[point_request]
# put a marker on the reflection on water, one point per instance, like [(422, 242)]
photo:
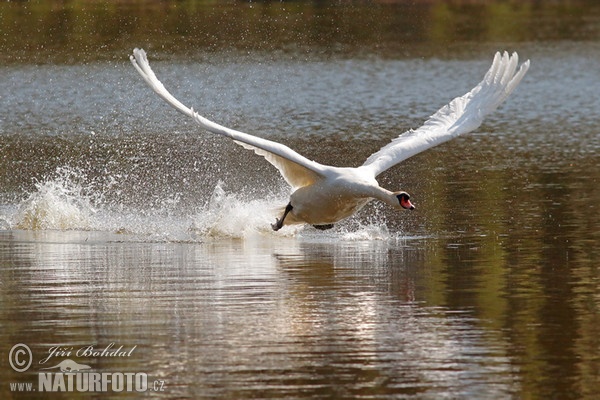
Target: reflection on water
[(76, 31), (273, 318), (423, 317), (121, 223)]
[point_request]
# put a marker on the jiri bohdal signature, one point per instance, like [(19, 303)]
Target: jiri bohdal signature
[(111, 350)]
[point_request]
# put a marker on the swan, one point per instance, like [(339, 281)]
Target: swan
[(323, 195)]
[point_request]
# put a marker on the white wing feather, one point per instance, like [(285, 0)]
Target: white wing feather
[(297, 170), (461, 115)]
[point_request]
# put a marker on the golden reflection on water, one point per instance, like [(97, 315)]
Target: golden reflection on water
[(278, 317), (79, 31), (489, 290)]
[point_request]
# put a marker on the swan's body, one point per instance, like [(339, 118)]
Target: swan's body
[(341, 193), (322, 194)]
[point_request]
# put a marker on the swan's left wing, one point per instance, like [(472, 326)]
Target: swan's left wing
[(461, 115), (296, 169)]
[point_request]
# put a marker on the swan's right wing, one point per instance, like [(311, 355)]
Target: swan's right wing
[(296, 169), (461, 115)]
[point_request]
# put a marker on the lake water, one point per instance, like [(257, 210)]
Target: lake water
[(126, 228)]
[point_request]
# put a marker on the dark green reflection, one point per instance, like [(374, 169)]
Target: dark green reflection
[(79, 31)]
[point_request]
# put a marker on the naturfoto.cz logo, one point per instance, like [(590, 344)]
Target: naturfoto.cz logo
[(71, 376)]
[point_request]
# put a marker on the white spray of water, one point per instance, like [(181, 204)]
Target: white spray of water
[(226, 215), (69, 201), (60, 203)]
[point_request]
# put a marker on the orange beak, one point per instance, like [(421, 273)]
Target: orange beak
[(405, 203)]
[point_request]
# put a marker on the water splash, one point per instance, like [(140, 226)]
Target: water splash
[(70, 200), (61, 202), (227, 215)]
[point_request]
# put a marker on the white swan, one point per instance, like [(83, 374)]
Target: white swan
[(322, 194)]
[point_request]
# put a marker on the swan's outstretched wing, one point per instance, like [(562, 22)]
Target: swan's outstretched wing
[(297, 170), (461, 115)]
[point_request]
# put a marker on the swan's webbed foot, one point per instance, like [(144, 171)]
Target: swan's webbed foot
[(279, 222), (277, 225), (323, 227)]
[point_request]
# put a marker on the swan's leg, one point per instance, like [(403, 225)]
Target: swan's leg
[(279, 222), (323, 227)]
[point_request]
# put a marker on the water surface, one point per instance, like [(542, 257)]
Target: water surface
[(123, 223)]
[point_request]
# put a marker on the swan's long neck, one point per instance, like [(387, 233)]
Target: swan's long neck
[(384, 195)]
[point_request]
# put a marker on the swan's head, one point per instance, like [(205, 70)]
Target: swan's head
[(404, 200)]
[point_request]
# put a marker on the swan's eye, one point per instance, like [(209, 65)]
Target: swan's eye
[(404, 200)]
